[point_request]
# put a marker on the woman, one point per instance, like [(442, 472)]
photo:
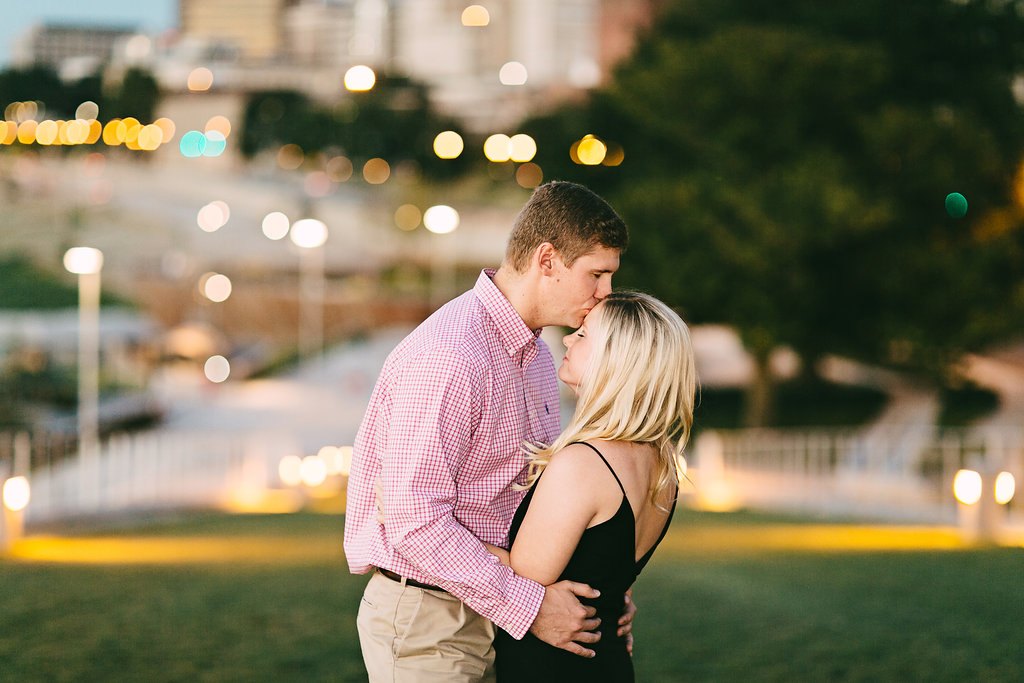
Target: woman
[(603, 494)]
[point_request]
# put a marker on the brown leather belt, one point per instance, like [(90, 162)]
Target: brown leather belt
[(408, 582)]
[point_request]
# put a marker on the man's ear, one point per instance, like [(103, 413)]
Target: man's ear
[(544, 257)]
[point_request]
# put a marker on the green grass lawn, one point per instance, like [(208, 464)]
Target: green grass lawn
[(267, 598)]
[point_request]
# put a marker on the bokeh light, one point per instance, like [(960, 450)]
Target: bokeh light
[(87, 110), (360, 78), (290, 157), (591, 151), (216, 143), (46, 132), (313, 471), (289, 470), (215, 286), (475, 15), (83, 260), (1005, 488), (339, 169), (17, 493), (308, 233), (219, 123), (192, 145), (150, 137), (217, 369), (498, 147), (529, 175), (167, 127), (512, 73), (448, 144), (317, 184), (275, 225), (967, 487), (522, 147), (213, 216), (200, 79), (27, 132), (376, 171), (441, 219), (615, 155), (408, 217)]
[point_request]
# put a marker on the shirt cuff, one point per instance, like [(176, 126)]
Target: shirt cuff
[(525, 597)]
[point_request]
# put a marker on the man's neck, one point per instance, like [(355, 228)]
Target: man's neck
[(518, 290)]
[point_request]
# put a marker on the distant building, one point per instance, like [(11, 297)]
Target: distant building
[(62, 46), (254, 27)]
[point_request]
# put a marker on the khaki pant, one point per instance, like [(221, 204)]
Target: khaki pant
[(410, 634)]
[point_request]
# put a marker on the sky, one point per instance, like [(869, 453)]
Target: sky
[(144, 15)]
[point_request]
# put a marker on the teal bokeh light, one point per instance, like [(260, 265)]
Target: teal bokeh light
[(193, 144)]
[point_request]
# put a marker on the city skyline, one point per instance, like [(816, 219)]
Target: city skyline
[(152, 16)]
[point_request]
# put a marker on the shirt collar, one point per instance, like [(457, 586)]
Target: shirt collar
[(515, 335)]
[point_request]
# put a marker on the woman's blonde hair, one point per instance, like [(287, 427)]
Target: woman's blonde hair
[(638, 385)]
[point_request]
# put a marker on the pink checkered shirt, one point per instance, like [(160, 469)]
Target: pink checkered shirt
[(444, 432)]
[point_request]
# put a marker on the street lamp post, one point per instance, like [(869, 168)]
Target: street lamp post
[(87, 262), (442, 220), (310, 235)]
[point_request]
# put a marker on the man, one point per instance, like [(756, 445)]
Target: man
[(443, 437)]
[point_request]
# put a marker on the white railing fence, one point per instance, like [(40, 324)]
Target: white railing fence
[(151, 470), (897, 474)]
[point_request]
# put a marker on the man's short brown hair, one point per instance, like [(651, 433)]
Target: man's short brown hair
[(569, 216)]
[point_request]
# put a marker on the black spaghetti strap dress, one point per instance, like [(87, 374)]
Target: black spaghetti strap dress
[(603, 559)]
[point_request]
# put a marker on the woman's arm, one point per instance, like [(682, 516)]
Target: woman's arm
[(573, 490), (500, 553)]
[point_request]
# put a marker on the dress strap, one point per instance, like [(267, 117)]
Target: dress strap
[(621, 487)]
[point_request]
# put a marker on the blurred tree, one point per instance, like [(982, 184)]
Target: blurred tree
[(786, 169), (394, 121), (42, 84), (137, 95)]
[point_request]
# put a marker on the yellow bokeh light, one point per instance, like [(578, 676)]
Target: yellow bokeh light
[(498, 147), (1005, 488), (591, 151), (967, 487), (376, 171), (476, 15), (95, 132), (78, 131), (615, 156), (3, 133), (46, 132), (290, 157), (150, 137), (339, 169), (167, 127), (448, 144), (408, 217), (220, 124), (360, 78), (62, 133), (529, 175), (110, 136), (27, 132), (522, 148), (10, 132), (200, 79)]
